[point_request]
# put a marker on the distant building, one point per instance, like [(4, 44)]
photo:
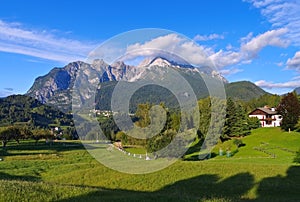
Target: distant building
[(118, 144), (267, 116)]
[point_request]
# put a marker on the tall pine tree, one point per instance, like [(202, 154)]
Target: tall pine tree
[(236, 120)]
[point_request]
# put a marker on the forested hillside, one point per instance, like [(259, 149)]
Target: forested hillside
[(21, 109)]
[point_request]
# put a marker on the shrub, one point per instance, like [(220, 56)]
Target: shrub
[(297, 157), (238, 142)]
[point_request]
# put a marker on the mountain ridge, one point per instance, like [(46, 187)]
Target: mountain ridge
[(237, 90), (55, 88)]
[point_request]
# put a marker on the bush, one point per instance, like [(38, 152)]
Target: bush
[(253, 122), (297, 157), (229, 146), (238, 142)]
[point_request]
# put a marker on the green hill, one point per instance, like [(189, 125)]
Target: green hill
[(21, 109), (243, 90), (266, 143)]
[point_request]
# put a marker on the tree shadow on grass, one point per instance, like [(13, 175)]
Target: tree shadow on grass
[(195, 148), (198, 157), (5, 176), (43, 148), (281, 188), (203, 187)]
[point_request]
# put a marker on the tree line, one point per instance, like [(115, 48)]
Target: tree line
[(17, 133), (237, 122)]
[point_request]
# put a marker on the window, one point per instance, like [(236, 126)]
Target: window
[(268, 119)]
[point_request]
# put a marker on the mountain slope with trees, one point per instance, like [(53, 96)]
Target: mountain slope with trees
[(244, 90), (21, 109)]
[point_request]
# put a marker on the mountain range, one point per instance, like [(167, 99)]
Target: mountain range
[(55, 88)]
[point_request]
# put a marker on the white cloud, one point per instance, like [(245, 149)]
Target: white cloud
[(283, 54), (208, 37), (249, 48), (279, 64), (6, 92), (282, 14), (229, 47), (231, 71), (200, 55), (41, 44), (247, 38), (270, 85), (269, 38), (294, 63), (171, 43), (296, 78), (223, 59)]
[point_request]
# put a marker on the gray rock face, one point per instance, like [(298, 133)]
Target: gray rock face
[(55, 88)]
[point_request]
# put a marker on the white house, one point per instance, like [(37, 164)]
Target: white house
[(268, 117)]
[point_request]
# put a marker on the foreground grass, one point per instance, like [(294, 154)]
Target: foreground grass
[(67, 172)]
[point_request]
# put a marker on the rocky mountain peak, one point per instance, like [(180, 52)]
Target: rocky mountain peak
[(161, 62), (118, 65), (98, 63), (55, 88)]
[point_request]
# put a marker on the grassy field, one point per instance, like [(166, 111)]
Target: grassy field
[(261, 170)]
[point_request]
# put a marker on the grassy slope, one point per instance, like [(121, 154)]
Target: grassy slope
[(58, 173), (282, 144)]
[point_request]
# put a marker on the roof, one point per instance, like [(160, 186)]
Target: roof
[(266, 110)]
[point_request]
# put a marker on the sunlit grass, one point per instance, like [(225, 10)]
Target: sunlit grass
[(65, 171)]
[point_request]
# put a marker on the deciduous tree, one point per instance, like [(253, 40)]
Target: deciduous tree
[(289, 108), (8, 133)]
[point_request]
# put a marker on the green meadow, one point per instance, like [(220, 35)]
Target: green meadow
[(261, 169)]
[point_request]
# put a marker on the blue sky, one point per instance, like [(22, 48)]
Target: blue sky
[(255, 40)]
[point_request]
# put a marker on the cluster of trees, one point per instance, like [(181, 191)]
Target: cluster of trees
[(142, 120), (20, 133), (17, 133), (264, 100), (237, 123)]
